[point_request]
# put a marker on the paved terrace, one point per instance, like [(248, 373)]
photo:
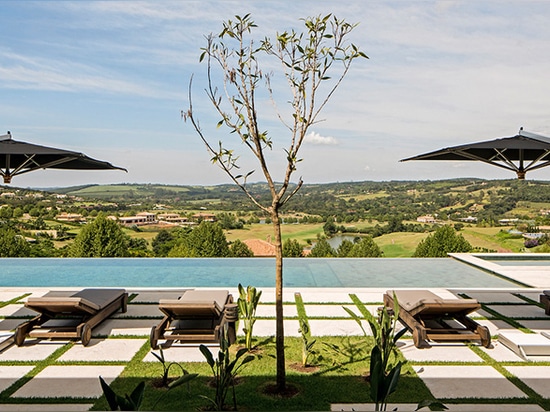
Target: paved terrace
[(478, 372)]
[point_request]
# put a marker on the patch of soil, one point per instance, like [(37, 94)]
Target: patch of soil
[(271, 389), (157, 383), (236, 381), (256, 350), (305, 369)]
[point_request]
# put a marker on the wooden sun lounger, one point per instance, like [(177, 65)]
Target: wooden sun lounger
[(429, 317), (545, 300), (197, 316), (69, 316)]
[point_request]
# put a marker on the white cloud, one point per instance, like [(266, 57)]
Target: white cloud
[(104, 75), (316, 138)]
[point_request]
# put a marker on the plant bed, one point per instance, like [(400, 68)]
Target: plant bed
[(339, 379)]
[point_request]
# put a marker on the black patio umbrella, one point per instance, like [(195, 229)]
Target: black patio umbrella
[(20, 157), (520, 153)]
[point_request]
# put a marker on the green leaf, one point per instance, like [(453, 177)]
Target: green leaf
[(136, 397), (208, 355), (110, 395), (182, 379)]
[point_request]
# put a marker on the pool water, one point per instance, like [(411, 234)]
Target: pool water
[(260, 272)]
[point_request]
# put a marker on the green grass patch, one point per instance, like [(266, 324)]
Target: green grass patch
[(317, 389)]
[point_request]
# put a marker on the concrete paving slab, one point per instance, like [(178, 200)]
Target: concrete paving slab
[(45, 407), (451, 407), (536, 377), (119, 327), (319, 296), (268, 295), (501, 353), (11, 374), (8, 295), (494, 325), (518, 311), (440, 352), (370, 297), (139, 311), (333, 311), (371, 407), (537, 325), (533, 295), (17, 310), (467, 382), (336, 327), (265, 327), (268, 311), (495, 407), (80, 381), (32, 350), (10, 324), (182, 353), (491, 297), (104, 350)]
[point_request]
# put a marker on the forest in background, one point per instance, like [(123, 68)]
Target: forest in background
[(387, 211)]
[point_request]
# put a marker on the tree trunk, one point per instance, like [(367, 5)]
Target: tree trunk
[(280, 334)]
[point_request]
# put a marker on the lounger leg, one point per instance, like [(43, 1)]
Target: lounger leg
[(545, 300), (23, 330), (485, 335), (420, 337), (231, 316), (153, 338), (157, 332)]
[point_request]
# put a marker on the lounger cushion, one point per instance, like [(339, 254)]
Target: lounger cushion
[(195, 302), (92, 299), (424, 300)]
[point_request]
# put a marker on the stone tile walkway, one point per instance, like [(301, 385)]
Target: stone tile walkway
[(450, 371)]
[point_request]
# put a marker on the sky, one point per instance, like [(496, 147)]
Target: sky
[(110, 79)]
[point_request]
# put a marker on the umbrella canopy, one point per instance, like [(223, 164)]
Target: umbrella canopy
[(520, 153), (20, 157)]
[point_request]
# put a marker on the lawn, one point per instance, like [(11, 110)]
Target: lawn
[(339, 377)]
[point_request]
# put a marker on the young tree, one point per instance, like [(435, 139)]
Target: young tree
[(344, 248), (366, 247), (307, 60), (240, 249), (443, 241), (12, 244), (162, 243), (101, 238), (205, 240), (292, 248), (322, 249)]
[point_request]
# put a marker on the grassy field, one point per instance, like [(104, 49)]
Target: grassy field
[(486, 237), (399, 244)]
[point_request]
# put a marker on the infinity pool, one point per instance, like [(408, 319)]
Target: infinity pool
[(260, 272)]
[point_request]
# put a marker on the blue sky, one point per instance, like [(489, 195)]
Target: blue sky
[(110, 78)]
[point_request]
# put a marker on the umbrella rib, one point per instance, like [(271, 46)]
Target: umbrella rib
[(533, 166), (481, 159), (30, 159), (503, 158), (539, 166)]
